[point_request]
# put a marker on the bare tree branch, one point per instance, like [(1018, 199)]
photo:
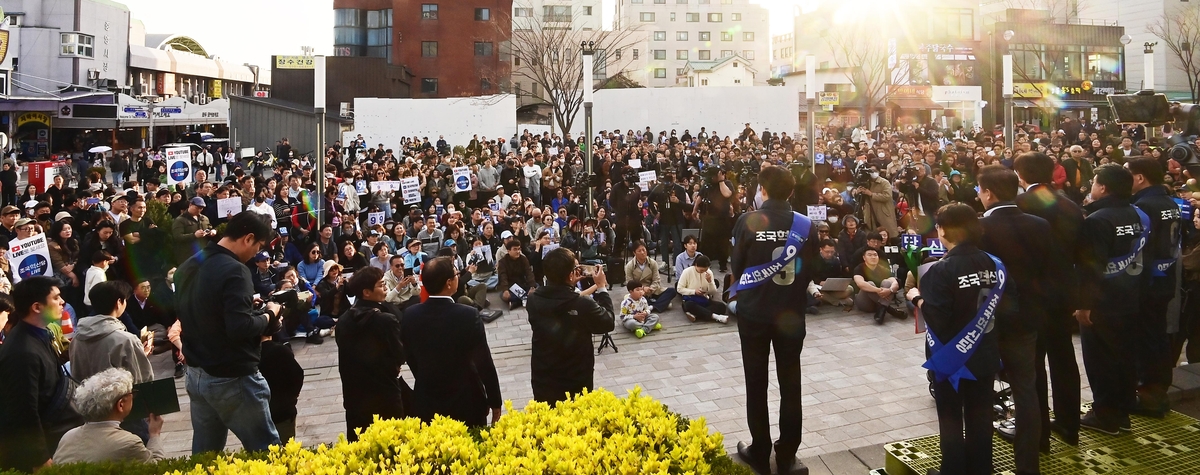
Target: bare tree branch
[(864, 58), (1180, 31)]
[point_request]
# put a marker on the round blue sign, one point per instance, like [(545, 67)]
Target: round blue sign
[(462, 183), (32, 265), (179, 171)]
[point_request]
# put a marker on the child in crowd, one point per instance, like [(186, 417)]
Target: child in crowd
[(635, 311)]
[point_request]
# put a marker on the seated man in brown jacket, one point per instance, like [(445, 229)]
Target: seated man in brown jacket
[(105, 399), (514, 269)]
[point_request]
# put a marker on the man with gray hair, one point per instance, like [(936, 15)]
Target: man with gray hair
[(104, 400)]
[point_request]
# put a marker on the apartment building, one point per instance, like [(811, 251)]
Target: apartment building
[(679, 31), (582, 17)]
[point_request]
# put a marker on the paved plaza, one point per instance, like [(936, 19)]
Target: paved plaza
[(863, 383)]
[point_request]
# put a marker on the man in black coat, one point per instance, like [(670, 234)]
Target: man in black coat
[(1019, 240), (370, 353), (563, 322), (1055, 346), (448, 352), (35, 404)]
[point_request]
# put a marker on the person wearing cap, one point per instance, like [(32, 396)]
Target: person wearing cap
[(8, 222), (413, 256), (191, 230), (368, 247), (119, 204), (331, 292), (261, 275)]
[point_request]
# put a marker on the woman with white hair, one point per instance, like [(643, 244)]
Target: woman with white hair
[(104, 400)]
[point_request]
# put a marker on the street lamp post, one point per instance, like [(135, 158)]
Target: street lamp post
[(319, 103), (1009, 132), (588, 49), (810, 99), (1148, 78)]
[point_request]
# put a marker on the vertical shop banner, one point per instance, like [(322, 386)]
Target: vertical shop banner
[(179, 165), (410, 189), (29, 258), (462, 179)]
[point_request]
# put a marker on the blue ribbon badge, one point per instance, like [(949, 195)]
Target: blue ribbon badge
[(755, 276), (949, 361)]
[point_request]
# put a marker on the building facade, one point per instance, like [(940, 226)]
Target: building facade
[(783, 54), (679, 31), (1138, 18), (727, 71), (453, 49), (581, 17)]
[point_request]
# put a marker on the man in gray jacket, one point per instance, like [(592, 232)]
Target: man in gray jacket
[(489, 175)]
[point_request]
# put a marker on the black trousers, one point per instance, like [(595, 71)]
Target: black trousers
[(1108, 360), (1054, 345), (787, 337), (715, 232), (965, 425), (1152, 349), (1018, 352), (1189, 325)]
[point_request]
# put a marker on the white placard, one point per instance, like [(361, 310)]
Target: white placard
[(179, 165), (636, 163), (647, 177), (644, 186), (29, 258), (410, 189), (462, 179), (817, 212), (228, 207), (532, 171), (375, 218), (385, 186)]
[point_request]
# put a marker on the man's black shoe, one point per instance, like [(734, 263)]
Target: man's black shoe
[(788, 464), (1093, 422), (314, 337), (933, 471), (179, 373), (895, 312), (761, 464), (1007, 430), (1149, 409), (1070, 437), (1123, 424), (810, 311), (879, 313)]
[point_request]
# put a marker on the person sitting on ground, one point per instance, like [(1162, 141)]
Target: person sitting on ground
[(104, 400), (635, 311), (828, 267), (473, 295), (261, 275), (514, 269), (698, 289), (402, 287), (644, 270), (876, 287), (687, 258)]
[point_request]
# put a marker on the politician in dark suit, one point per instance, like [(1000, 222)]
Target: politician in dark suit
[(448, 353), (370, 354), (1035, 171), (1019, 241)]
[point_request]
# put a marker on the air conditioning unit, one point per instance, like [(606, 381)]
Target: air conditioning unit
[(93, 74), (143, 89), (203, 98), (345, 111)]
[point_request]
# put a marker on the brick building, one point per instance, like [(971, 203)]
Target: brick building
[(453, 48)]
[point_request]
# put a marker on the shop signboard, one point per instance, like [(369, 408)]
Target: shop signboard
[(957, 93), (294, 62), (828, 98), (33, 118), (898, 91)]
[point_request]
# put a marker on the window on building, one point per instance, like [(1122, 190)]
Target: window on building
[(703, 2), (647, 17), (705, 36), (747, 36), (587, 11), (350, 37), (952, 23), (556, 13), (737, 81), (681, 36), (483, 14), (704, 82), (726, 2), (660, 36), (681, 54), (535, 89), (429, 11), (78, 44), (748, 54), (1104, 63), (483, 48), (823, 65), (635, 1), (681, 2), (692, 17), (714, 17), (726, 36), (705, 55), (485, 84), (672, 16), (516, 56), (660, 73), (725, 53), (429, 49), (635, 53), (679, 71), (660, 54), (429, 85), (347, 17), (660, 2), (736, 16), (523, 12)]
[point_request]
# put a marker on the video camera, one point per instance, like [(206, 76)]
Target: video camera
[(1153, 110)]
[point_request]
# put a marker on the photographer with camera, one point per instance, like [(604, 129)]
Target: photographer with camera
[(669, 199), (715, 208), (191, 230), (222, 337), (875, 194), (922, 192)]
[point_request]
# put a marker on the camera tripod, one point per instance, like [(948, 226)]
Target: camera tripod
[(606, 340)]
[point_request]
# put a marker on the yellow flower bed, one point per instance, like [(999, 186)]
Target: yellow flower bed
[(596, 433)]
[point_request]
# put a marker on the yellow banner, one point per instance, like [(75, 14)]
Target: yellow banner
[(828, 98), (294, 62), (3, 43), (214, 89), (33, 117)]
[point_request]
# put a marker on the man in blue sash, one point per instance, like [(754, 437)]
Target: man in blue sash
[(774, 266), (958, 298), (1111, 280), (1153, 360)]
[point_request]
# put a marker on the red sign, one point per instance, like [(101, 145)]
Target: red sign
[(261, 94)]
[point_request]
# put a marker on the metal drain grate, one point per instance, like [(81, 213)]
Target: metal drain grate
[(1156, 446)]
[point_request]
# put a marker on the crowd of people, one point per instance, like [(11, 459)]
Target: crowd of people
[(149, 281)]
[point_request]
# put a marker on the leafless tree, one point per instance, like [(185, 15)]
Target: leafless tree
[(865, 61), (546, 51), (1180, 31)]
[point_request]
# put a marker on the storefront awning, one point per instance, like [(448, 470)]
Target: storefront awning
[(48, 103), (1057, 104), (915, 103)]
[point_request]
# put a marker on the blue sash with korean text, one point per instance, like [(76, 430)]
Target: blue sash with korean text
[(949, 360), (1117, 265), (758, 275)]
